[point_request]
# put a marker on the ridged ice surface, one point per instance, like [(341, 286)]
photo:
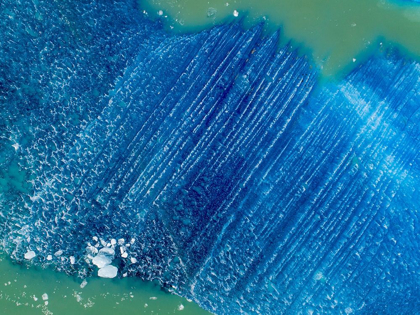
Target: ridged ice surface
[(214, 162)]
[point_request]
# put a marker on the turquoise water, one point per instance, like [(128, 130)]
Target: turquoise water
[(336, 34), (29, 290)]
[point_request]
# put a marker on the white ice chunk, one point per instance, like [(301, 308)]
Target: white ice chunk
[(113, 241), (58, 253), (83, 284), (235, 13), (30, 254), (107, 251), (108, 272), (180, 307), (104, 257), (133, 260), (124, 255), (45, 296), (132, 241), (49, 257), (72, 260), (121, 241), (101, 261)]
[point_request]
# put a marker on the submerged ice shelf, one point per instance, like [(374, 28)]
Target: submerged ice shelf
[(213, 162)]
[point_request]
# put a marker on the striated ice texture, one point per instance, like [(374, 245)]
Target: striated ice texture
[(214, 163)]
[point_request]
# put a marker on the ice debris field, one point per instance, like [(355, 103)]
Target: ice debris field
[(215, 163)]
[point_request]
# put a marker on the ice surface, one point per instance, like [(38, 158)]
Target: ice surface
[(30, 254), (108, 271), (104, 257), (229, 171)]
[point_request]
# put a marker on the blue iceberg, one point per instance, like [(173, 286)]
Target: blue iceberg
[(215, 163)]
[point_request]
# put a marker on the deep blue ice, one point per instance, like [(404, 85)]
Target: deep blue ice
[(218, 162)]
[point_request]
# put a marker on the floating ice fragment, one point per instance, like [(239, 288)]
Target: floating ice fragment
[(58, 253), (108, 272), (121, 241), (16, 146), (153, 298), (95, 238), (124, 255), (133, 260), (101, 261), (83, 284), (35, 298), (113, 241), (104, 257), (45, 296), (180, 307), (107, 251), (235, 13), (211, 12), (49, 257), (30, 254), (160, 12), (72, 260), (132, 241)]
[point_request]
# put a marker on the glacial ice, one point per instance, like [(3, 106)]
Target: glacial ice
[(104, 257), (218, 161), (30, 254), (108, 271)]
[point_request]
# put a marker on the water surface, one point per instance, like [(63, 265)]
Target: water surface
[(28, 290), (337, 34)]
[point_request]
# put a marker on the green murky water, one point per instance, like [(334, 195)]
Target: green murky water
[(337, 34), (27, 291)]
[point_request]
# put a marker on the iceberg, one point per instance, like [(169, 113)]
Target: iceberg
[(216, 162)]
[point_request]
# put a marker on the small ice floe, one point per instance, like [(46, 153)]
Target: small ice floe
[(211, 12), (132, 241), (104, 257), (354, 59), (108, 271), (180, 307), (49, 257), (35, 298), (113, 242), (45, 296), (83, 284), (16, 146), (235, 13), (29, 254), (72, 260), (35, 198), (160, 12), (121, 241), (58, 253), (133, 260), (153, 298), (124, 255)]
